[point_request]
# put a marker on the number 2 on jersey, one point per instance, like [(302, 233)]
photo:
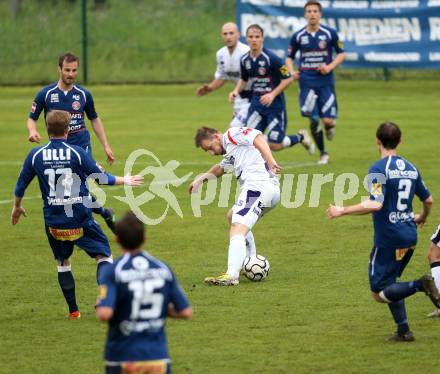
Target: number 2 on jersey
[(404, 191)]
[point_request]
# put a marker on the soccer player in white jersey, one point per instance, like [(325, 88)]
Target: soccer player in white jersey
[(434, 261), (246, 151), (228, 69)]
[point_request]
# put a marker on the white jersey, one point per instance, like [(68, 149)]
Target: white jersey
[(241, 155), (228, 65), (228, 69)]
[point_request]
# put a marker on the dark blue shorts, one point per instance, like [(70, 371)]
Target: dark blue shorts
[(272, 120), (386, 265), (88, 149), (318, 102), (93, 241)]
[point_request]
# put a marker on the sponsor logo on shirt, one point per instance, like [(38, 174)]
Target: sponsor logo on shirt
[(304, 39), (247, 65), (54, 98), (400, 164), (376, 189), (395, 217), (76, 105), (400, 253), (68, 234), (75, 97), (261, 71)]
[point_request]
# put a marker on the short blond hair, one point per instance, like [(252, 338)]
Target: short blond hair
[(57, 122)]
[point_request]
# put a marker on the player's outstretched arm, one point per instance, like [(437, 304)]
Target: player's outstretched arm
[(34, 135), (17, 211), (367, 206), (420, 219), (183, 314), (215, 172), (98, 129), (130, 180), (261, 144), (207, 88)]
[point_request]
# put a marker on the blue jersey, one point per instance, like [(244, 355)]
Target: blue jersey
[(62, 171), (139, 288), (394, 181), (316, 49), (77, 101), (265, 72)]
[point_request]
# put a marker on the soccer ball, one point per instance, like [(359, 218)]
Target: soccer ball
[(256, 268)]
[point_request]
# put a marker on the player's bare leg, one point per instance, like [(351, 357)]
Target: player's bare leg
[(329, 125)]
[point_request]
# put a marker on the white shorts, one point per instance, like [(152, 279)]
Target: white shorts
[(254, 201), (241, 107)]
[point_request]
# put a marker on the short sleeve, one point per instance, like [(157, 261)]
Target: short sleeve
[(376, 184), (177, 295), (107, 289), (336, 42), (220, 71), (89, 107), (293, 47), (279, 68), (37, 106), (421, 190), (242, 135), (244, 75)]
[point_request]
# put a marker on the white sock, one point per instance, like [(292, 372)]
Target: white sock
[(286, 142), (435, 271), (251, 249), (236, 255)]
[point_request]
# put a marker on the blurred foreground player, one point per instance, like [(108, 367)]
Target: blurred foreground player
[(137, 294), (393, 182), (62, 171)]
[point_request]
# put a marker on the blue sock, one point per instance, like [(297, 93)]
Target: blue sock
[(100, 271), (401, 290), (317, 134), (67, 284), (295, 139), (398, 311)]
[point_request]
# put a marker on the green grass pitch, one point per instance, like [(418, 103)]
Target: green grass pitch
[(314, 314)]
